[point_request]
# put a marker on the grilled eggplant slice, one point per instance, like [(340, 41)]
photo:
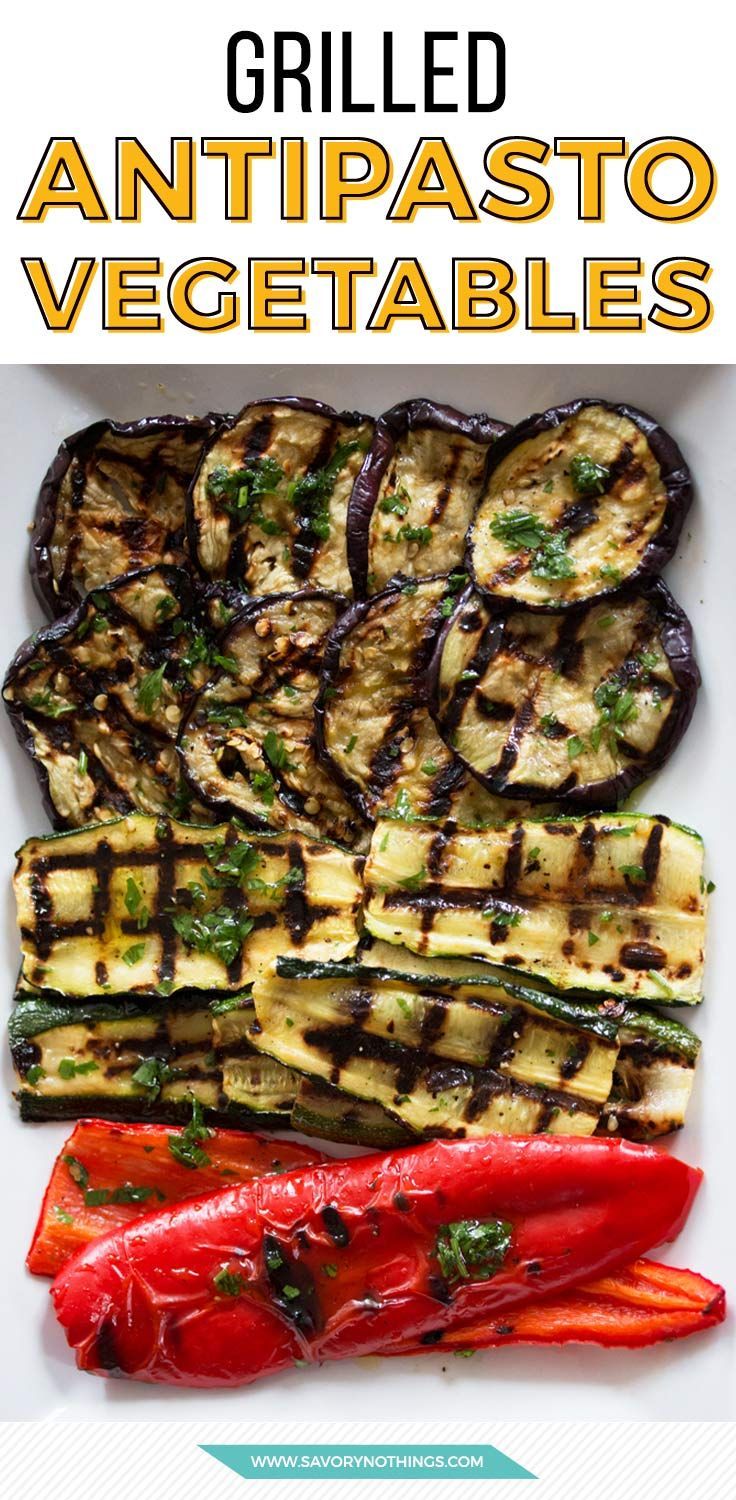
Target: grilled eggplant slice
[(151, 905), (134, 1060), (97, 699), (371, 718), (614, 904), (268, 505), (577, 501), (247, 746), (114, 501), (580, 707), (414, 497)]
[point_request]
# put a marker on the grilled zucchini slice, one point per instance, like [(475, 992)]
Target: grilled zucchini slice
[(113, 501), (247, 746), (462, 1060), (131, 1060), (96, 700), (144, 903), (580, 707), (372, 721), (614, 904), (414, 497), (577, 501), (269, 501)]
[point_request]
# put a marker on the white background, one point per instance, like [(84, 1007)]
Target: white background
[(158, 71), (688, 1381)]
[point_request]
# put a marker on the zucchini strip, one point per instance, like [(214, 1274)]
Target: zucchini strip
[(578, 500), (416, 492), (113, 500), (397, 1038), (247, 747), (268, 504), (614, 904), (148, 905), (580, 707), (96, 700), (132, 1060)]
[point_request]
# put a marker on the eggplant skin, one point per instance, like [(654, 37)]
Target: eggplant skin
[(57, 596), (675, 478), (676, 638), (393, 428), (308, 777), (259, 565)]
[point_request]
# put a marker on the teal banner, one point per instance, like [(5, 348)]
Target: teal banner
[(389, 1461)]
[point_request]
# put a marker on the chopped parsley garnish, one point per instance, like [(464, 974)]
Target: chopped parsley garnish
[(350, 746), (413, 882), (660, 982), (291, 1292), (311, 494), (228, 714), (275, 752), (228, 1283), (230, 863), (500, 917), (152, 1074), (185, 1148), (396, 504), (549, 724), (35, 1073), (82, 763), (62, 1215), (135, 904), (77, 1171), (166, 606), (262, 783), (519, 530), (68, 1068), (588, 477), (330, 1270), (593, 938), (150, 689), (611, 574), (552, 559), (134, 954), (575, 746), (407, 533), (52, 707), (429, 768), (637, 873), (237, 489), (473, 1249), (221, 931)]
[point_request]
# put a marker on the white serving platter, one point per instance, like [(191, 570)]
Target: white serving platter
[(689, 1381)]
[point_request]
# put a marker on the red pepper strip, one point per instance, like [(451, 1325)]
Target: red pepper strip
[(138, 1157), (643, 1305), (341, 1259)]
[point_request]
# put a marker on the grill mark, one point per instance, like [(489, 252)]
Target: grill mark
[(652, 853), (285, 1271), (432, 898), (445, 492), (642, 956), (341, 1044), (307, 544), (258, 439)]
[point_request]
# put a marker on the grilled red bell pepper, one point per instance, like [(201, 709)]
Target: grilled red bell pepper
[(642, 1305), (363, 1256), (106, 1175)]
